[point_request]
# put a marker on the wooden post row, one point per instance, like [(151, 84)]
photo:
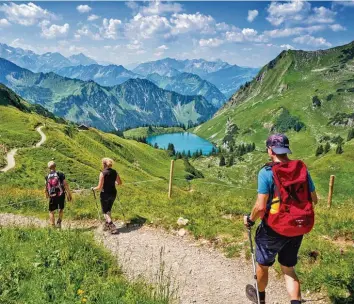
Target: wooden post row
[(330, 191), (171, 179)]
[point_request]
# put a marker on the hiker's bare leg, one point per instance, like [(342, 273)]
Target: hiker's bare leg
[(291, 282), (61, 213), (51, 218), (107, 216), (262, 277)]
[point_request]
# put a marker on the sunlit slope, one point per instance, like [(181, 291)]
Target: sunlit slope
[(77, 153), (291, 83)]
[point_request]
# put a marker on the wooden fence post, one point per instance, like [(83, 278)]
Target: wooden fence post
[(171, 178), (330, 191)]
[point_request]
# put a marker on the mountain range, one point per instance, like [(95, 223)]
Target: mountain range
[(134, 103), (226, 77), (41, 63)]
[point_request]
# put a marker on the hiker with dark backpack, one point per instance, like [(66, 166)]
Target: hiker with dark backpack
[(108, 180), (285, 203), (56, 188)]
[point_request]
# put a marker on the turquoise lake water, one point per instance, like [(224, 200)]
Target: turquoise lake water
[(182, 142)]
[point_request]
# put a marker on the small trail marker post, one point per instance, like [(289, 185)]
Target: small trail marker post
[(330, 191), (171, 178)]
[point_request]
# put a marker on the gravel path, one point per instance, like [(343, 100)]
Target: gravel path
[(195, 272), (10, 157)]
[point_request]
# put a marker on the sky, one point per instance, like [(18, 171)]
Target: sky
[(243, 33)]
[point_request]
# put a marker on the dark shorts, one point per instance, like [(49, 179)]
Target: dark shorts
[(269, 244), (57, 203), (107, 200)]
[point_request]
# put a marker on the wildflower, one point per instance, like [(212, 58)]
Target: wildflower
[(80, 292)]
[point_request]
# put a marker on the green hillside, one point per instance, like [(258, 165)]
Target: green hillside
[(133, 103)]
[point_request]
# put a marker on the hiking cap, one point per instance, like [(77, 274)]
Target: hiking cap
[(279, 144), (51, 164)]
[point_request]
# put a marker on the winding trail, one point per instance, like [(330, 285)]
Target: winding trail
[(197, 272), (10, 157)]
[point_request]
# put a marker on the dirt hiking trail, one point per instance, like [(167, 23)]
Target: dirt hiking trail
[(10, 157), (197, 273)]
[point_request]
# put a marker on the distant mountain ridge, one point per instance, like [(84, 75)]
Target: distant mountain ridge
[(134, 103), (189, 84), (41, 63), (109, 75), (226, 77)]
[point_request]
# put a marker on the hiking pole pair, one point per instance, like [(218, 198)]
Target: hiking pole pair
[(252, 291)]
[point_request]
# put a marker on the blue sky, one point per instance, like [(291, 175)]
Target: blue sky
[(244, 33)]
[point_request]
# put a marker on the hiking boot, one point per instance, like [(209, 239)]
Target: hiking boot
[(105, 226), (251, 294), (112, 228), (58, 225)]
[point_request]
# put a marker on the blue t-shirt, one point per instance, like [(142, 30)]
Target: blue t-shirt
[(266, 183)]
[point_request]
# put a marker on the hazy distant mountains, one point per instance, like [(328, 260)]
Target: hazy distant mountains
[(226, 77), (189, 84), (109, 75), (41, 63), (131, 104)]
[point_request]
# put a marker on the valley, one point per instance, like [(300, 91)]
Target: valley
[(289, 95)]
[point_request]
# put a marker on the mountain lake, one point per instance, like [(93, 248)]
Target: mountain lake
[(182, 141)]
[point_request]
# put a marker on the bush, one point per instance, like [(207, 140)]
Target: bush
[(222, 161), (286, 122)]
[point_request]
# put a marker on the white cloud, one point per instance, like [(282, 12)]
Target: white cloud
[(85, 31), (145, 27), (287, 47), (234, 36), (321, 15), (349, 3), (252, 14), (312, 41), (135, 45), (211, 42), (163, 47), (26, 14), (92, 17), (4, 22), (54, 30), (83, 8), (185, 23), (293, 31), (109, 28), (160, 8), (337, 28), (159, 54), (281, 12), (246, 34)]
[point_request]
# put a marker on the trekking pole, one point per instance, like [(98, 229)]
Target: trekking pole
[(98, 210), (253, 266), (121, 208)]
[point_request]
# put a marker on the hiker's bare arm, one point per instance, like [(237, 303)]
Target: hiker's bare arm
[(260, 207), (118, 180), (67, 190), (314, 197), (46, 192), (100, 183)]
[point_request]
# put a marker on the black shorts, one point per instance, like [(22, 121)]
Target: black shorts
[(269, 244), (57, 203), (107, 200)]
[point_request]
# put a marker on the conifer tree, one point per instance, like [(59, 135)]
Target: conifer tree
[(327, 148), (222, 161), (319, 150), (339, 149)]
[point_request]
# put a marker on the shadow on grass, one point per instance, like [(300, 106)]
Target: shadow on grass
[(348, 300)]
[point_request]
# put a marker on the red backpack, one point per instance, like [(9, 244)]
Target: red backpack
[(291, 213), (54, 185)]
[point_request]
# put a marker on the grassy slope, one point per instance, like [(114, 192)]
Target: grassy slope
[(47, 266), (295, 78), (144, 131)]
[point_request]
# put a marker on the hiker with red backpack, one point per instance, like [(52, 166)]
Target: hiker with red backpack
[(285, 203), (56, 189), (108, 180)]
